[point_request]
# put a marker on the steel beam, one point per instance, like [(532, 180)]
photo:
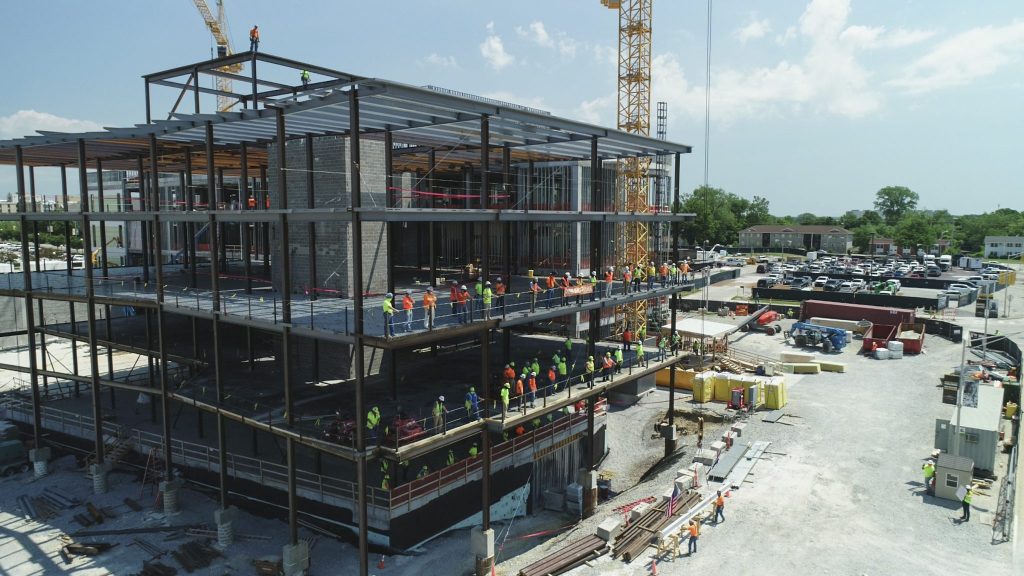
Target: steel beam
[(90, 293)]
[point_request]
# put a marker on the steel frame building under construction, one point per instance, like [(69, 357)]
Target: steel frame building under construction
[(258, 308)]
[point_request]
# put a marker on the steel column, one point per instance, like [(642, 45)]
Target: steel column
[(432, 241), (357, 303), (158, 260), (485, 164), (244, 228), (143, 224), (90, 295), (212, 198), (190, 227), (282, 188), (596, 246), (311, 203), (26, 267)]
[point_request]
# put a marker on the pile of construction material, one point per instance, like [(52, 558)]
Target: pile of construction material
[(569, 557), (646, 520), (804, 363), (739, 390)]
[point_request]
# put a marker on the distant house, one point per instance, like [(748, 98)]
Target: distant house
[(882, 246), (834, 239), (1003, 246)]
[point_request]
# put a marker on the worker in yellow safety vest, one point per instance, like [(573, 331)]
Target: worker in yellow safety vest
[(373, 422), (473, 450), (929, 477)]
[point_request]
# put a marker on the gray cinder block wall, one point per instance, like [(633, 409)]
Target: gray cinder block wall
[(332, 187)]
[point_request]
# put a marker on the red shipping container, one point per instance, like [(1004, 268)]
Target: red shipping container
[(856, 312)]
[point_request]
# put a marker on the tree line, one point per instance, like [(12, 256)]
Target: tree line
[(721, 215)]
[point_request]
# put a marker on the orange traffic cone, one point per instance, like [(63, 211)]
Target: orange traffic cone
[(493, 573), (654, 567), (380, 564), (728, 493)]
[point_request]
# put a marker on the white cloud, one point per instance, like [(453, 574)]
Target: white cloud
[(27, 122), (869, 37), (965, 57), (605, 54), (493, 50), (786, 37), (536, 33), (567, 48), (600, 110), (438, 61), (753, 30)]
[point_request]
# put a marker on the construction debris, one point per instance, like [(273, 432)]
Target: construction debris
[(69, 551), (195, 555), (157, 569)]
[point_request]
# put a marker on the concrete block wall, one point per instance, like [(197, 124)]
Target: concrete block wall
[(332, 185)]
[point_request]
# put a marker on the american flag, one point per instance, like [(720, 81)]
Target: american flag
[(672, 500)]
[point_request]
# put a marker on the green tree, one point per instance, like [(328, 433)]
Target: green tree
[(894, 201), (915, 229)]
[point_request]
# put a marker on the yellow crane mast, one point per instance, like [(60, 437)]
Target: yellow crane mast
[(634, 115), (218, 28)]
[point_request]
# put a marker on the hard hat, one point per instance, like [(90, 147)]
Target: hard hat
[(463, 287), (471, 389), (591, 357), (479, 278), (533, 373), (487, 283), (430, 289), (499, 279), (593, 272), (389, 295), (408, 291), (440, 398), (506, 365)]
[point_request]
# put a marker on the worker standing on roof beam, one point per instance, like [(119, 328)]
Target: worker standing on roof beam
[(254, 40)]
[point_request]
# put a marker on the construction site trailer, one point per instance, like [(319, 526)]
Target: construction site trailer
[(980, 411)]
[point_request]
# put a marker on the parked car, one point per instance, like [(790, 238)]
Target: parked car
[(958, 287), (820, 281), (933, 270), (832, 285), (846, 287)]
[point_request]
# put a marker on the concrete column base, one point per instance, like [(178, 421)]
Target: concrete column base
[(224, 519), (40, 458), (169, 489), (99, 477), (481, 543), (588, 480), (295, 559)]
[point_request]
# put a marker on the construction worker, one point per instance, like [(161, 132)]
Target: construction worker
[(473, 450), (464, 314), (609, 280), (407, 305), (504, 400), (531, 388), (627, 278), (535, 366), (509, 374), (304, 76), (389, 315), (385, 483), (627, 338), (929, 477), (691, 547), (453, 289), (536, 423), (663, 274), (429, 308), (640, 360), (552, 379), (488, 294), (478, 289), (472, 404), (662, 346), (641, 332), (590, 371), (440, 412), (518, 393), (719, 507), (499, 291), (566, 284), (251, 202), (373, 422), (551, 287), (966, 503), (568, 349), (638, 276), (593, 285), (555, 358), (677, 341), (673, 273), (254, 39), (451, 458), (618, 360), (423, 472), (700, 431), (563, 372), (534, 290), (685, 269), (520, 430), (607, 366)]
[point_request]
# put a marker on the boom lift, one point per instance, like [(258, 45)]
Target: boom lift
[(807, 334)]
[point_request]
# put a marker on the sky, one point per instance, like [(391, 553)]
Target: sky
[(814, 105)]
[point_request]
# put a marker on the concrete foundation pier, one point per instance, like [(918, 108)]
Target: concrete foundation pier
[(224, 519), (170, 489), (40, 458), (295, 558), (99, 477), (481, 544), (588, 480)]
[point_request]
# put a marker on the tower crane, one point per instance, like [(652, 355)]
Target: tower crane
[(218, 28), (634, 115)]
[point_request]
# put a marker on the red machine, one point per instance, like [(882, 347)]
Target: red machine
[(408, 430), (762, 320), (341, 430)]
